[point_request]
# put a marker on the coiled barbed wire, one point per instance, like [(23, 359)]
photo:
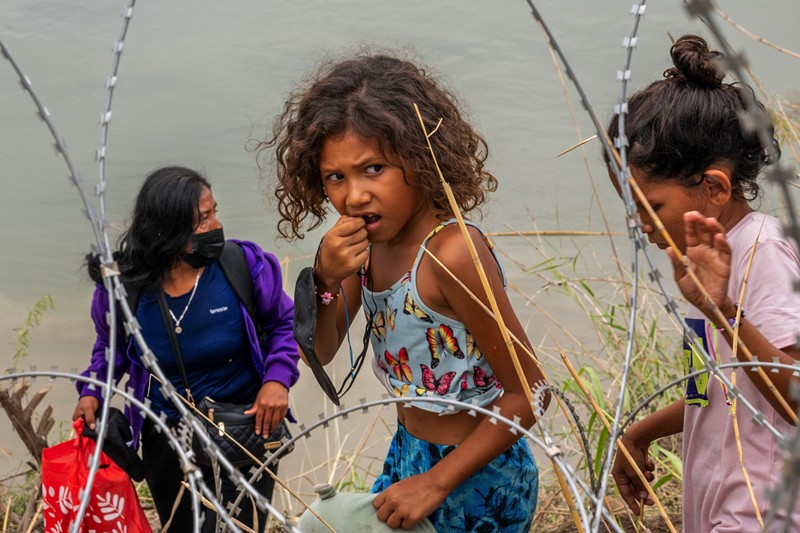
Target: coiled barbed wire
[(101, 232), (580, 491), (751, 120), (116, 290), (587, 449), (755, 119), (117, 296)]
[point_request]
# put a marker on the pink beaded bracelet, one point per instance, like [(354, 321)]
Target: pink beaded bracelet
[(325, 298)]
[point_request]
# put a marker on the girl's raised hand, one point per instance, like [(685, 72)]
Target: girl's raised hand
[(709, 256), (343, 250)]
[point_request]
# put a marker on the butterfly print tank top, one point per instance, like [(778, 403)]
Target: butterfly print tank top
[(419, 352)]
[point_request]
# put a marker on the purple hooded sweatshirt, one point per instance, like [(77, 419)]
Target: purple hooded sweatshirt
[(275, 360)]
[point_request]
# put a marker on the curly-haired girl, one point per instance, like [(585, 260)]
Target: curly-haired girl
[(351, 137)]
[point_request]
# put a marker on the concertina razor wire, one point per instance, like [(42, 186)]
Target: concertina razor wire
[(590, 496)]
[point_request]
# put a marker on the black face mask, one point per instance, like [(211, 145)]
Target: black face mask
[(206, 248)]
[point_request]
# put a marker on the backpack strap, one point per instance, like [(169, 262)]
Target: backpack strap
[(132, 295), (234, 266), (235, 269)]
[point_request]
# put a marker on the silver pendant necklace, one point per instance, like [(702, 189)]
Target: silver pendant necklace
[(178, 328)]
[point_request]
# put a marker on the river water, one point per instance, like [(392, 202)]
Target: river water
[(199, 81)]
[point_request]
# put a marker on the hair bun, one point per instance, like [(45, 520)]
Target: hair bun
[(694, 62)]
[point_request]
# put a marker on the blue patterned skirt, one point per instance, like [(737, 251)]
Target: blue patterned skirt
[(501, 496)]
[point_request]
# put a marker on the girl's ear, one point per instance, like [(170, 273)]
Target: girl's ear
[(717, 184)]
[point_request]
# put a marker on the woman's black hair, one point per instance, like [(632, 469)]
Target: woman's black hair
[(678, 126), (163, 219)]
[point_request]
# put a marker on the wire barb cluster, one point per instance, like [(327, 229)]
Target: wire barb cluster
[(590, 509)]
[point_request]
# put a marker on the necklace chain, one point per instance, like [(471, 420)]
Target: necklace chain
[(178, 328)]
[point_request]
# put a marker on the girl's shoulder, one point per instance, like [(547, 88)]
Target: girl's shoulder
[(447, 243), (757, 225), (449, 236), (764, 233), (757, 228)]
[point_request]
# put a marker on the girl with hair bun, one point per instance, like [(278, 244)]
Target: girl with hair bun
[(698, 168)]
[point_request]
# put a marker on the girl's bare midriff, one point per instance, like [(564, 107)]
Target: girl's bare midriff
[(449, 429)]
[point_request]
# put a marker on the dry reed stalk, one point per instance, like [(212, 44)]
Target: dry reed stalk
[(490, 296), (569, 334), (359, 449), (338, 455), (529, 300), (555, 233), (567, 496), (555, 321), (734, 348), (307, 473), (741, 458), (6, 514), (476, 260), (578, 144), (740, 300), (208, 504), (679, 255), (754, 36), (792, 131), (260, 463), (574, 119), (620, 444), (333, 462), (285, 270), (477, 300), (640, 517), (35, 518)]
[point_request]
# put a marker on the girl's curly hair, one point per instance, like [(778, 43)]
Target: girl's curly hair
[(678, 126), (372, 96)]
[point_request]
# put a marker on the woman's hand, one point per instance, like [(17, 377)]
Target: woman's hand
[(270, 407), (709, 258), (407, 502), (343, 250), (631, 488), (86, 408)]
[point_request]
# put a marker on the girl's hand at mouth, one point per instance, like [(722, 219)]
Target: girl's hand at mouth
[(343, 250)]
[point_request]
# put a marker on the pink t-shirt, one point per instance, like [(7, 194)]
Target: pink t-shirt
[(715, 494)]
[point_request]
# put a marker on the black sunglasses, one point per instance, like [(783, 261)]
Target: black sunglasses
[(305, 328)]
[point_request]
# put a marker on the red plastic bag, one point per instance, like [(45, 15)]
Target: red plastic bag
[(113, 506)]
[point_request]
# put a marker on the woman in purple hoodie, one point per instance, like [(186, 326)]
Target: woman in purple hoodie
[(172, 245)]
